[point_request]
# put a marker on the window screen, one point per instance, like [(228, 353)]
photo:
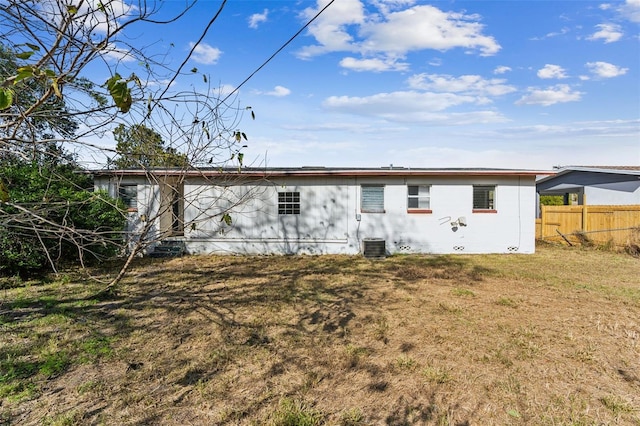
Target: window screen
[(484, 197)]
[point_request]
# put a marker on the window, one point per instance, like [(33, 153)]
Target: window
[(129, 196), (484, 197), (419, 198), (288, 203), (372, 199)]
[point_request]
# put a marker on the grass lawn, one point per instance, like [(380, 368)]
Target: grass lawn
[(545, 339)]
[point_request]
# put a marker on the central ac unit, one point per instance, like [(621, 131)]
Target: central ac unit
[(374, 247)]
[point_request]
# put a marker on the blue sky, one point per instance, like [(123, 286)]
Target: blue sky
[(514, 84)]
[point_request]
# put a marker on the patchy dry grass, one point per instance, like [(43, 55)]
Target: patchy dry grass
[(545, 339)]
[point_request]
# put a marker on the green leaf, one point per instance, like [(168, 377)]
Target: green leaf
[(204, 77), (240, 157), (194, 70), (514, 413), (120, 92), (244, 136), (72, 9), (24, 55), (253, 115), (6, 98), (24, 72), (226, 218), (238, 136), (33, 47)]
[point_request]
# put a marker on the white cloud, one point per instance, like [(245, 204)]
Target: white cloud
[(553, 34), (112, 53), (279, 91), (223, 90), (607, 32), (330, 29), (605, 69), (91, 14), (346, 27), (427, 27), (468, 84), (414, 107), (501, 69), (205, 54), (559, 93), (258, 18), (630, 10), (373, 64), (552, 71)]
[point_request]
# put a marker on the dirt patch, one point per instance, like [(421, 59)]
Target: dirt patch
[(550, 338)]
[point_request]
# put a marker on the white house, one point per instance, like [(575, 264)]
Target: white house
[(318, 210), (612, 185)]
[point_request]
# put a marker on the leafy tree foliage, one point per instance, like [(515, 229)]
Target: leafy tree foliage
[(552, 200), (140, 147), (44, 117), (51, 105), (50, 215)]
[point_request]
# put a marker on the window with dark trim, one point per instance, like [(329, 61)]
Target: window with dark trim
[(129, 196), (372, 199), (288, 202), (484, 197), (419, 198)]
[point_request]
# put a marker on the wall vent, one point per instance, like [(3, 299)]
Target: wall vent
[(374, 247)]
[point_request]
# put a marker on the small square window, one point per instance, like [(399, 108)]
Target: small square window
[(372, 199), (484, 197), (129, 195), (418, 197), (288, 203)]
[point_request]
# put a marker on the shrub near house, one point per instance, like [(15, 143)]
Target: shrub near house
[(51, 215)]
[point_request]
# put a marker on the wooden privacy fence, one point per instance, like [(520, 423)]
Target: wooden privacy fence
[(618, 225)]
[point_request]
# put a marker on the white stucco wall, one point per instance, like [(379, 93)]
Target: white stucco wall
[(330, 209), (510, 229)]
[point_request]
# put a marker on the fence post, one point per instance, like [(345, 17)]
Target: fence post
[(584, 218)]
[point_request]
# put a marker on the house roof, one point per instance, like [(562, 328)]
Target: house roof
[(576, 178), (325, 171), (620, 170)]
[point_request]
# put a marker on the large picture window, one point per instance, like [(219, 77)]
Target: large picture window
[(372, 199), (484, 197), (419, 197), (288, 203)]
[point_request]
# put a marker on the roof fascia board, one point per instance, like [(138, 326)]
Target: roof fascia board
[(264, 173)]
